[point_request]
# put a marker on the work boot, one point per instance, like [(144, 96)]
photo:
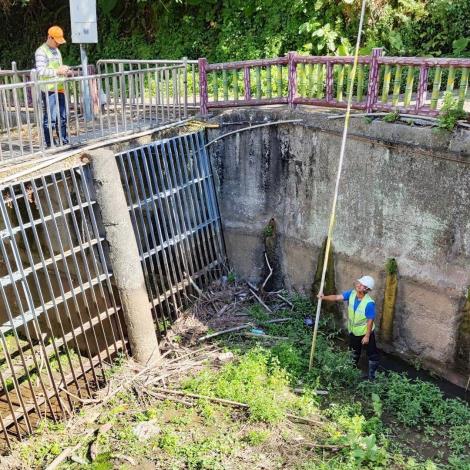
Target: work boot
[(373, 366)]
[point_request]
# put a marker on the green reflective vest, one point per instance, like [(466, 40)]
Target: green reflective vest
[(54, 63), (357, 320)]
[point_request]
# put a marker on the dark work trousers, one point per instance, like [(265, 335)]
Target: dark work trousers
[(356, 345), (58, 114)]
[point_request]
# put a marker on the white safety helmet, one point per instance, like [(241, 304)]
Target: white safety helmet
[(367, 281)]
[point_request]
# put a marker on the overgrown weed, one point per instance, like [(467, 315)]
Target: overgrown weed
[(363, 420)]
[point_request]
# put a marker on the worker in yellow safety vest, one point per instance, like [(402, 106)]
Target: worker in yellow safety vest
[(49, 67), (361, 317)]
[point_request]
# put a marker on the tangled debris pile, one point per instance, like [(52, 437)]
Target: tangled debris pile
[(223, 308)]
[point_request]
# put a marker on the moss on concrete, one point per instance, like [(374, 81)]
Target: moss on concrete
[(390, 299)]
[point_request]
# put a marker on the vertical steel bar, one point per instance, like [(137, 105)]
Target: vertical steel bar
[(422, 88), (7, 122), (269, 87), (235, 84), (76, 268), (215, 86), (211, 198), (19, 121), (10, 364), (167, 222), (463, 87), (185, 85), (57, 273), (163, 236), (184, 203), (174, 201), (168, 94), (386, 84), (39, 289), (96, 272), (22, 314), (373, 80), (147, 228), (202, 207), (84, 172), (50, 291), (140, 232), (410, 77), (247, 83), (193, 216)]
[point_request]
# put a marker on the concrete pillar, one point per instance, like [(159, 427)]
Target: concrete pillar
[(124, 257)]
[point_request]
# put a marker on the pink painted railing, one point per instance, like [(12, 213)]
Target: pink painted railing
[(409, 85)]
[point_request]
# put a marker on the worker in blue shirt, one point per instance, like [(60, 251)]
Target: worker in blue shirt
[(361, 316)]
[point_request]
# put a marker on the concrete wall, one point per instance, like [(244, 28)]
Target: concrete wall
[(404, 194)]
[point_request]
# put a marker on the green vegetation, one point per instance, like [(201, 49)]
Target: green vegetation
[(451, 112), (235, 30), (391, 423), (391, 267), (391, 117)]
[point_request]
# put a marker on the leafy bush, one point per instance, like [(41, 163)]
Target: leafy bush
[(418, 403), (450, 113)]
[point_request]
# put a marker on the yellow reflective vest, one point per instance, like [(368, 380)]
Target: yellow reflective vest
[(357, 320), (54, 63)]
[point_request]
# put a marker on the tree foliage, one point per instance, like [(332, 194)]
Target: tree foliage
[(237, 29)]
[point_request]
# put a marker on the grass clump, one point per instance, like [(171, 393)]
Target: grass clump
[(450, 113), (256, 437), (391, 117), (257, 380)]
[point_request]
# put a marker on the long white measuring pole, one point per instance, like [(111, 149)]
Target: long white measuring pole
[(338, 178)]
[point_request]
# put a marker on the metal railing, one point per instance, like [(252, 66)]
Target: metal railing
[(172, 202), (59, 316), (14, 75), (120, 103), (188, 77), (409, 85)]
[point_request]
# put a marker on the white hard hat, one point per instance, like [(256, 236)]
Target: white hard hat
[(367, 281)]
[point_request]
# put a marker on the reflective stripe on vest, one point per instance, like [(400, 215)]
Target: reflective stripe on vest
[(357, 320), (54, 63)]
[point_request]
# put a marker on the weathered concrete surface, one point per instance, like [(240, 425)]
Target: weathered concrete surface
[(124, 257), (404, 194)]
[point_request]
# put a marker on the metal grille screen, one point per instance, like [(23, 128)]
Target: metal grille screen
[(58, 314), (172, 202)]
